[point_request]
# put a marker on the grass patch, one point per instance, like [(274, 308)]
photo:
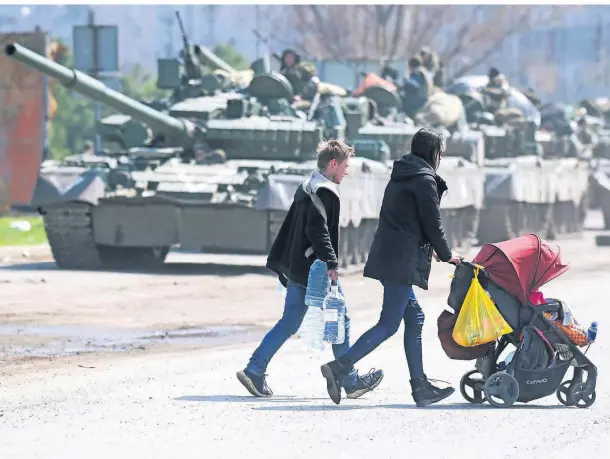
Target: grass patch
[(10, 236)]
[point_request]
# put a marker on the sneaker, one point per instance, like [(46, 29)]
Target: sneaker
[(365, 384), (256, 385), (334, 374), (424, 393)]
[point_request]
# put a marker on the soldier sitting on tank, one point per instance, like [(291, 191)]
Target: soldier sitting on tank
[(302, 75), (416, 88), (496, 94), (586, 137), (390, 74), (433, 65)]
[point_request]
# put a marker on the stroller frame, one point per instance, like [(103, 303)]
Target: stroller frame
[(502, 387)]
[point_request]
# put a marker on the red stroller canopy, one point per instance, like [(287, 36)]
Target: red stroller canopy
[(521, 265)]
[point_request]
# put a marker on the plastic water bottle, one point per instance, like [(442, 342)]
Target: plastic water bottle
[(592, 332), (318, 284), (312, 329), (334, 315), (280, 288)]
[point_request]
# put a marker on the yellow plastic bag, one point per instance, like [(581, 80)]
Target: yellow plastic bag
[(479, 321)]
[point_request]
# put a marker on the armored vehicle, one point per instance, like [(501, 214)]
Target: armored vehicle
[(199, 81), (217, 184), (534, 182), (591, 127), (462, 162)]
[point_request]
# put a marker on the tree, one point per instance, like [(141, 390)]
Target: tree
[(138, 84), (463, 36), (73, 123), (231, 56)]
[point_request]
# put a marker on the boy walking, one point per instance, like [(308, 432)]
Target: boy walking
[(310, 230)]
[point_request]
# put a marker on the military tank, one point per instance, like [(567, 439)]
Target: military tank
[(534, 182), (462, 162), (199, 81), (179, 198)]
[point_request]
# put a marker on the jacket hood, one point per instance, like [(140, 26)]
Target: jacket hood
[(312, 184), (409, 165)]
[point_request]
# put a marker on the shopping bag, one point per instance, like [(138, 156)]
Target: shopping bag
[(479, 321)]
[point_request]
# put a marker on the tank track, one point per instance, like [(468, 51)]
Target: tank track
[(70, 234), (500, 221), (460, 229)]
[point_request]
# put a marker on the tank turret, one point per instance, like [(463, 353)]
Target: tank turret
[(180, 129)]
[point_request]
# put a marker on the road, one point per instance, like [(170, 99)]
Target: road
[(181, 398)]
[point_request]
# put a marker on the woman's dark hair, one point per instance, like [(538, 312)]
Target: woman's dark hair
[(428, 145)]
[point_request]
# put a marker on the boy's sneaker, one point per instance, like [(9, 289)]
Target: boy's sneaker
[(256, 385), (424, 393), (364, 384)]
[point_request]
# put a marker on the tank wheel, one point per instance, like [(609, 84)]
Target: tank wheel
[(344, 247), (133, 257), (580, 396), (363, 250), (501, 390), (550, 226), (562, 393), (476, 384), (354, 244), (70, 234)]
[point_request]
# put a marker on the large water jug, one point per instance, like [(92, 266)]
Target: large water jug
[(318, 284), (312, 329), (334, 315)]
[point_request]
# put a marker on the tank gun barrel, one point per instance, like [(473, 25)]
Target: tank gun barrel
[(211, 59), (97, 91)]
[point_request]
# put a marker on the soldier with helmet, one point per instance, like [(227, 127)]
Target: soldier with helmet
[(302, 75), (432, 63)]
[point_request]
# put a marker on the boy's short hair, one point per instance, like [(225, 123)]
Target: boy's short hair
[(333, 149)]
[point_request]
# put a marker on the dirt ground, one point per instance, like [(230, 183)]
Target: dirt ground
[(195, 301), (133, 394)]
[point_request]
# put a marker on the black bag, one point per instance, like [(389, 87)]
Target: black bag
[(446, 323), (460, 284), (535, 351)]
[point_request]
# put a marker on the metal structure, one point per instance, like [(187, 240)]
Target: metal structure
[(534, 180), (130, 210)]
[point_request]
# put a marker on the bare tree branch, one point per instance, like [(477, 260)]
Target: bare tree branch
[(372, 32)]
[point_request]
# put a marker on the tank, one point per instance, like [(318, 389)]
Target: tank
[(534, 180), (462, 163), (219, 185)]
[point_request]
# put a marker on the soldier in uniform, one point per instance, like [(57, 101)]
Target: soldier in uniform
[(302, 75), (584, 134), (497, 92), (417, 86), (432, 64)]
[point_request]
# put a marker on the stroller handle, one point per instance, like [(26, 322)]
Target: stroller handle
[(465, 263)]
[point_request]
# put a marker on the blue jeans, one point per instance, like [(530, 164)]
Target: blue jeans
[(288, 325), (399, 304)]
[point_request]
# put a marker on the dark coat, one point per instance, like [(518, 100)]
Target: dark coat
[(410, 225), (309, 231)]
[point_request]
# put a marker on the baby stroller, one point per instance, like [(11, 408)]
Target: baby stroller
[(511, 271)]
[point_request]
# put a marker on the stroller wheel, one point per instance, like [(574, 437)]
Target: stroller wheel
[(581, 397), (477, 384), (501, 390), (563, 393)]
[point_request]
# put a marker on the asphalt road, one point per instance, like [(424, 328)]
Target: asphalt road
[(188, 403)]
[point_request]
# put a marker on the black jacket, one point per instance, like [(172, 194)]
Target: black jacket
[(410, 225), (309, 231)]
